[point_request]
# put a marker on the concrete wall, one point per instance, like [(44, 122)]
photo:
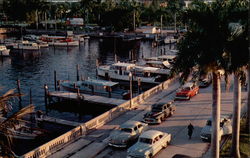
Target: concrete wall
[(65, 139)]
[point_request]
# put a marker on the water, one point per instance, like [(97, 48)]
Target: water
[(37, 71)]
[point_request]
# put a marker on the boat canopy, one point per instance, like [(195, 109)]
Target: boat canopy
[(99, 82), (120, 64)]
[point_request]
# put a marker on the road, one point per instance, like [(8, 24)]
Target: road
[(197, 111)]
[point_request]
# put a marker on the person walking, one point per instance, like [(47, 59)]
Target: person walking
[(190, 130)]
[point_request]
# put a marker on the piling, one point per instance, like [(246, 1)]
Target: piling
[(30, 96), (19, 89), (46, 95), (139, 85), (58, 85), (170, 44), (77, 72), (55, 81)]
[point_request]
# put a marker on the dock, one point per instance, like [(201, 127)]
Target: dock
[(58, 121), (94, 99)]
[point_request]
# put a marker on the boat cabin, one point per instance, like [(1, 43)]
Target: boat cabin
[(122, 68)]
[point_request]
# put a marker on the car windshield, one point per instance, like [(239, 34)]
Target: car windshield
[(146, 140), (209, 123), (128, 130), (156, 110), (186, 88)]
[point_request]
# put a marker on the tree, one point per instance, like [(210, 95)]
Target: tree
[(203, 47)]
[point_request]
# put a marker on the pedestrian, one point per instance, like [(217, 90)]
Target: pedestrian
[(190, 130)]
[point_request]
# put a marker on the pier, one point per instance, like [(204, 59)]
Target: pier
[(94, 99), (58, 121)]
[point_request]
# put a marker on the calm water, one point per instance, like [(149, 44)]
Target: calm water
[(37, 71)]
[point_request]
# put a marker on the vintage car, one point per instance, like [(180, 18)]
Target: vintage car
[(187, 91), (149, 144), (203, 83), (225, 128), (159, 112), (127, 134)]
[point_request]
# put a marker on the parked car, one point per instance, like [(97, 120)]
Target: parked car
[(187, 91), (159, 112), (127, 133), (225, 128), (203, 83), (149, 144)]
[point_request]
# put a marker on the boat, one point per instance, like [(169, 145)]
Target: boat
[(120, 71), (96, 87), (169, 58), (169, 40), (15, 127), (59, 41), (158, 64), (26, 46), (4, 52)]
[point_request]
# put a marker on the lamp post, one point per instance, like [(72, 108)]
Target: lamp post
[(130, 88)]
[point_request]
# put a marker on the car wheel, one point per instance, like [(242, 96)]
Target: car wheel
[(149, 155)]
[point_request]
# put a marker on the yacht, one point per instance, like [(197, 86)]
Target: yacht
[(4, 52), (96, 87)]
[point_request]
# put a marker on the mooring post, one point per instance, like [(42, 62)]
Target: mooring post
[(46, 95), (58, 85), (19, 89), (77, 72), (170, 44), (139, 85), (109, 88), (55, 80), (30, 96)]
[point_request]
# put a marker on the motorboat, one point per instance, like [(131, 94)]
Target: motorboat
[(96, 87), (59, 41), (27, 46), (169, 40), (15, 127), (4, 52), (120, 71)]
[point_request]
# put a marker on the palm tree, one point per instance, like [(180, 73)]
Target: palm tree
[(238, 50), (204, 46), (5, 105)]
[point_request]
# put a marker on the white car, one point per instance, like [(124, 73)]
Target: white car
[(148, 144), (225, 128), (127, 134)]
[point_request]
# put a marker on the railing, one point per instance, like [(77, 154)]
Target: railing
[(63, 140)]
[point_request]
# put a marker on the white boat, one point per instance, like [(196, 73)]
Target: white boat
[(59, 41), (169, 58), (169, 40), (158, 64), (96, 87), (120, 71), (27, 46), (4, 52)]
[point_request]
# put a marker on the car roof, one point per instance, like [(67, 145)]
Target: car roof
[(129, 124), (221, 117), (158, 105), (188, 84), (150, 134)]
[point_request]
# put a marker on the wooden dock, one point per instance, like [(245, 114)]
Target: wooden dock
[(58, 121), (94, 99)]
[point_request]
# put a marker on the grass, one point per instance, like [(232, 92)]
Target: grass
[(244, 143)]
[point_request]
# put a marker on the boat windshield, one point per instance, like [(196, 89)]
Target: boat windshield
[(127, 130), (146, 140)]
